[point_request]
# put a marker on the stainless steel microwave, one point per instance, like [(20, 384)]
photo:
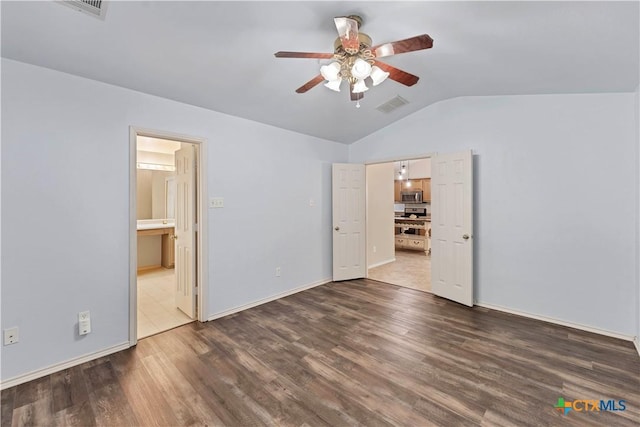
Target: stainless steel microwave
[(411, 196)]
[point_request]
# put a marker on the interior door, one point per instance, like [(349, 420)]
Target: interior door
[(349, 238), (185, 230), (452, 226)]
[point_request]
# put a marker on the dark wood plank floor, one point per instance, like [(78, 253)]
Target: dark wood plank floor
[(351, 353)]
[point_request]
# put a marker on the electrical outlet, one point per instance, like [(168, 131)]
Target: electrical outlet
[(312, 202), (278, 271), (84, 322), (375, 249), (11, 336)]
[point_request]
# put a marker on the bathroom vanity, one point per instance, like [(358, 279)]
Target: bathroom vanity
[(164, 228)]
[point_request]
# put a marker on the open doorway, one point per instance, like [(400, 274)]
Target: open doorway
[(399, 223), (166, 250), (157, 274)]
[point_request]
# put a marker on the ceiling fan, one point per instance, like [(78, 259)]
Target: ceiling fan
[(355, 59)]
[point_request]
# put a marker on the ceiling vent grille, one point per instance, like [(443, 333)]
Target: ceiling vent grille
[(95, 8), (392, 104)]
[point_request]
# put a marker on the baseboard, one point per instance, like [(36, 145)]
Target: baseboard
[(149, 267), (20, 379), (559, 322), (268, 299), (636, 342), (382, 263)]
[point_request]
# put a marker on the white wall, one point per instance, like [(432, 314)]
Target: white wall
[(380, 214), (62, 252), (419, 168), (553, 203)]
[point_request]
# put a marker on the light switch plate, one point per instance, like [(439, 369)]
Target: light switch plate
[(216, 202)]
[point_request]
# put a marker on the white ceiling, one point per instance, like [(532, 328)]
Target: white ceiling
[(219, 55)]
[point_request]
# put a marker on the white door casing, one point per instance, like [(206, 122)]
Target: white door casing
[(349, 236), (185, 230), (452, 226)]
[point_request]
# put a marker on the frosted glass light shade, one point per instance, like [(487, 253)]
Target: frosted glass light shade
[(334, 84), (330, 72), (360, 87), (361, 69), (378, 76)]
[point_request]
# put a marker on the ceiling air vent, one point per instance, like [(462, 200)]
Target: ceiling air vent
[(95, 8), (392, 104)]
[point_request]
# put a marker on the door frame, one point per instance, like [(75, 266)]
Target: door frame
[(202, 266)]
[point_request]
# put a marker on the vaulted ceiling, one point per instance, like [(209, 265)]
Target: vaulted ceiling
[(219, 55)]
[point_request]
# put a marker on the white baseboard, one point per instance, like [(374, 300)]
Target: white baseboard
[(636, 342), (378, 264), (558, 322), (20, 379), (268, 299)]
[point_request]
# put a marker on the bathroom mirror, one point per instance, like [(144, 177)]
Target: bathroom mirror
[(155, 194)]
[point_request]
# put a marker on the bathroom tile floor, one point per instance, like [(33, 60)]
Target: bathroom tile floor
[(411, 269), (156, 307)]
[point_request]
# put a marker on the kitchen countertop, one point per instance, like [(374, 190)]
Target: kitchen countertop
[(423, 218), (154, 224)]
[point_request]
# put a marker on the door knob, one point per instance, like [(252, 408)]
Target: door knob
[(337, 228), (465, 236), (174, 237)]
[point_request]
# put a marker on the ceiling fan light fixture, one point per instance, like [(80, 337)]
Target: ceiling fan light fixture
[(377, 75), (331, 72), (334, 84), (360, 87), (361, 69)]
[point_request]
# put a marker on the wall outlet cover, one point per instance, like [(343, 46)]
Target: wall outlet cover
[(11, 336)]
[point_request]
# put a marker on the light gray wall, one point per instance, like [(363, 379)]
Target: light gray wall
[(62, 252), (637, 118), (380, 214), (554, 202)]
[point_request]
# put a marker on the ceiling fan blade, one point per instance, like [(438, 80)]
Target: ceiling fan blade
[(355, 96), (282, 54), (403, 46), (348, 31), (310, 84), (398, 75)]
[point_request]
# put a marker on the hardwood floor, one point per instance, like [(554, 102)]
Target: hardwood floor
[(349, 353)]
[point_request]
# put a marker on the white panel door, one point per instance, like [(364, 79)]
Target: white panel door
[(452, 226), (349, 244), (185, 231)]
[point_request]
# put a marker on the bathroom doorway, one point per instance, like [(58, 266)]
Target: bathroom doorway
[(166, 274)]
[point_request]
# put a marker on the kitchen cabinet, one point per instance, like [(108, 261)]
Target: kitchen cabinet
[(397, 188), (416, 185), (426, 190)]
